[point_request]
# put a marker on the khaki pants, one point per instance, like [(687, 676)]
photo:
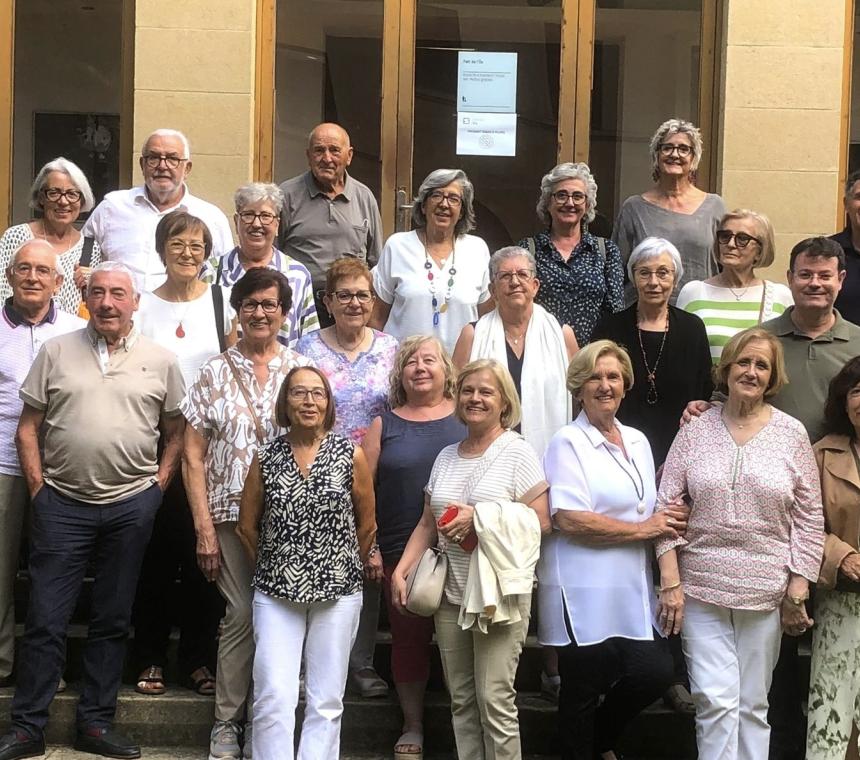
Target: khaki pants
[(479, 670), (236, 646), (14, 501)]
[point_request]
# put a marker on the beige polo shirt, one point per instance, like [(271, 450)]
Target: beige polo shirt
[(102, 412)]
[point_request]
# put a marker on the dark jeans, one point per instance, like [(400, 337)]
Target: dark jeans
[(65, 536), (197, 604), (631, 674), (785, 714)]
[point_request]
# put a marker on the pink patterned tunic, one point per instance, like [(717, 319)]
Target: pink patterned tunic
[(756, 510)]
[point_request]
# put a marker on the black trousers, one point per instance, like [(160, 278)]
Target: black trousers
[(631, 675), (785, 714), (65, 537), (194, 604)]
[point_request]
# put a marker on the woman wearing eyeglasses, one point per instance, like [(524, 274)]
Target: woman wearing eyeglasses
[(735, 299), (258, 213), (357, 361), (60, 192), (674, 208), (434, 279), (580, 275)]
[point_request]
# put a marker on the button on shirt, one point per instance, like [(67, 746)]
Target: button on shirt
[(124, 223), (317, 230), (20, 341)]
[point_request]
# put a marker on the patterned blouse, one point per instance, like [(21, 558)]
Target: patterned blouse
[(215, 407), (308, 548), (577, 292), (756, 510), (360, 387)]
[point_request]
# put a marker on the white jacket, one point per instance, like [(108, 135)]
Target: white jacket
[(502, 565)]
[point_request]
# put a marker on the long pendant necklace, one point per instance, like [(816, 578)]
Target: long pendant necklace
[(638, 487), (434, 301), (651, 372), (180, 330)]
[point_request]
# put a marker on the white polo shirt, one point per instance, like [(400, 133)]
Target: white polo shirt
[(124, 223)]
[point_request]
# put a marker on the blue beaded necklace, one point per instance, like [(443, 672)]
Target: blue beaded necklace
[(434, 301)]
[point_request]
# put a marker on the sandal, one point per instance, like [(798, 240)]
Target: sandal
[(678, 699), (151, 681), (409, 739), (202, 681)]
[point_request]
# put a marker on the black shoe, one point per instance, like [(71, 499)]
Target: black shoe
[(105, 742), (17, 744)]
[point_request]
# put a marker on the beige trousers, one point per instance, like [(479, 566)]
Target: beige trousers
[(479, 670), (14, 501)]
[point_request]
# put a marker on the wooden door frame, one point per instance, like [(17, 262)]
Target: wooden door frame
[(263, 149), (7, 99)]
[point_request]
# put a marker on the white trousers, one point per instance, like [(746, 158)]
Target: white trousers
[(328, 631), (730, 659)]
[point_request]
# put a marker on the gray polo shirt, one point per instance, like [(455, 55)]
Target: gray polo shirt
[(811, 363), (317, 230)]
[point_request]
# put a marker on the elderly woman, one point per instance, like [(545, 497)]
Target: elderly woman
[(735, 299), (596, 597), (357, 361), (258, 214), (493, 485), (194, 321), (581, 276), (434, 279), (754, 544), (834, 686), (230, 412), (307, 522), (401, 446), (674, 208), (528, 340), (667, 347), (60, 193)]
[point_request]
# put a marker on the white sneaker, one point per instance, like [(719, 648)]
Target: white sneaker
[(248, 741), (224, 741)]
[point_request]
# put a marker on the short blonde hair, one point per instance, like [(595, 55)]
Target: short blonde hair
[(733, 349), (581, 367), (512, 411), (765, 234), (396, 392)]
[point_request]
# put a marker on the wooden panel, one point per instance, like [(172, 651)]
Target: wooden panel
[(126, 108), (567, 79), (406, 96), (264, 92), (7, 98), (388, 116), (584, 70), (710, 47), (845, 115)]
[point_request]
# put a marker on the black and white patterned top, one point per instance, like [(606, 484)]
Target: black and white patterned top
[(308, 548)]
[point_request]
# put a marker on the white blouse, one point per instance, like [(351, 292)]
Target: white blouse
[(599, 591)]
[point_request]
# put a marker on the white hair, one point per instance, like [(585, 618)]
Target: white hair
[(560, 173), (39, 242), (651, 248), (255, 192), (186, 147), (75, 175), (118, 266), (675, 127), (510, 252)]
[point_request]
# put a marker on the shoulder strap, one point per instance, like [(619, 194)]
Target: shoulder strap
[(763, 299), (218, 302), (261, 437), (530, 242), (483, 467), (220, 268), (601, 246), (87, 252)]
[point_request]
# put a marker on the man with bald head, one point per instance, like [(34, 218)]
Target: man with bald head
[(30, 317), (124, 223), (328, 214)]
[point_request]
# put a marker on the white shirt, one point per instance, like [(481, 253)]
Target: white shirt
[(124, 223), (400, 279), (607, 590)]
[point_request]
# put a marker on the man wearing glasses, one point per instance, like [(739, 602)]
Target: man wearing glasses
[(123, 224), (328, 214)]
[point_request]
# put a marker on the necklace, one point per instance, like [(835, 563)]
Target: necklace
[(434, 301), (349, 349), (180, 330), (515, 341), (640, 487), (652, 396), (740, 295)]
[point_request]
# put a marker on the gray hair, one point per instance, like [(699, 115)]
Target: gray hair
[(257, 192), (117, 266), (851, 180), (442, 178), (560, 173), (510, 252), (75, 175), (675, 127), (39, 242), (651, 248), (186, 146)]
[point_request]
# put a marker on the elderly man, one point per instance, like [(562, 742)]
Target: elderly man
[(327, 214), (124, 223), (848, 301), (30, 317), (98, 396)]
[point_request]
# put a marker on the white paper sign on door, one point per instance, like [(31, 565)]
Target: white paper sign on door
[(486, 134), (486, 82)]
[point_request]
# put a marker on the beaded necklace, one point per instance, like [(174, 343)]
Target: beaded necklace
[(434, 301)]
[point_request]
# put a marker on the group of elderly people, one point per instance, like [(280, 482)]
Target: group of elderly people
[(510, 413)]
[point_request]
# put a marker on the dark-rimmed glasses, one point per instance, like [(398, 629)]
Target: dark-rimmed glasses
[(742, 240)]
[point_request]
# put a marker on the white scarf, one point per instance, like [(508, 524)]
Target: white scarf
[(546, 403)]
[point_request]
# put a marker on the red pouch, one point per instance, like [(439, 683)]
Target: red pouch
[(469, 543)]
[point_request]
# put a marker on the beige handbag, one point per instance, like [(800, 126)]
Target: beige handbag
[(425, 583)]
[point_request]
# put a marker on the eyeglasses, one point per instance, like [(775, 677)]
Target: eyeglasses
[(24, 270), (178, 247), (153, 160), (300, 394), (664, 274), (54, 194), (804, 275), (683, 150), (437, 196), (265, 217), (270, 306), (562, 197), (742, 240), (520, 274), (344, 296)]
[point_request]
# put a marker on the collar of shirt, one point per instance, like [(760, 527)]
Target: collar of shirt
[(279, 262), (596, 438), (844, 239), (17, 319), (587, 239), (314, 190), (140, 198), (784, 326), (126, 343)]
